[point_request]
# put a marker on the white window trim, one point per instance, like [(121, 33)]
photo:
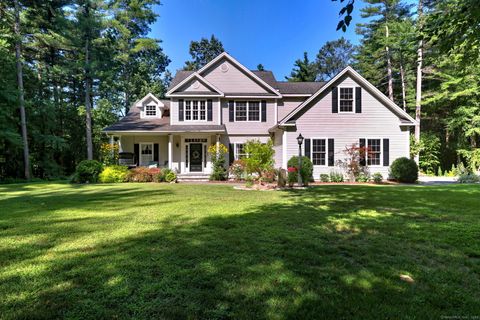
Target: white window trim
[(381, 153), (151, 116), (311, 151), (248, 109), (235, 154), (191, 110), (353, 97), (140, 152)]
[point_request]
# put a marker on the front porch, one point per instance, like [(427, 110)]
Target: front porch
[(185, 153)]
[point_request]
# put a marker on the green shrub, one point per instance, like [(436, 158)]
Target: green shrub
[(219, 173), (249, 181), (114, 173), (170, 176), (404, 170), (324, 177), (362, 177), (336, 176), (377, 177), (238, 169), (142, 174), (260, 156), (306, 170), (468, 178), (87, 171)]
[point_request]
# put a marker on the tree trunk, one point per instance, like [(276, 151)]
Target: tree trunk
[(404, 93), (389, 66), (88, 84), (21, 97), (418, 99)]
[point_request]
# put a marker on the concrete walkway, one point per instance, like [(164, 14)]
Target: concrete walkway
[(433, 180)]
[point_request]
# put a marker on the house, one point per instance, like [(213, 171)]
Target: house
[(225, 102)]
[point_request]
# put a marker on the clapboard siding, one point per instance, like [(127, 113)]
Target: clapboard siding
[(128, 142), (375, 121), (193, 88), (246, 127), (278, 148), (174, 112), (233, 80), (287, 105)]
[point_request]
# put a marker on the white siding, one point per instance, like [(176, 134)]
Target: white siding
[(287, 105), (375, 121), (193, 86), (128, 142), (174, 112)]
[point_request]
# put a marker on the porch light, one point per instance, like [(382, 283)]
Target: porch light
[(300, 139)]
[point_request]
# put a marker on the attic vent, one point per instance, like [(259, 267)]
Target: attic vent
[(196, 85), (224, 67)]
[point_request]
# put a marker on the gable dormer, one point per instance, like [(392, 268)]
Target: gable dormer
[(150, 107)]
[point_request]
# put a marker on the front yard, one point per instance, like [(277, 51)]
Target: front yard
[(208, 251)]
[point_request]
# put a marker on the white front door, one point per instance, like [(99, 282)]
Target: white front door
[(146, 153)]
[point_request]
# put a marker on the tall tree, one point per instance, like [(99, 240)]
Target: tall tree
[(203, 52), (21, 96), (303, 70), (333, 57), (418, 100), (260, 67)]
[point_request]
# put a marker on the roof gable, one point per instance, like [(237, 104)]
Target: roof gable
[(350, 72), (194, 84)]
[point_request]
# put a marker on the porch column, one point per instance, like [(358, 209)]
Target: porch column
[(170, 151), (120, 149), (218, 144)]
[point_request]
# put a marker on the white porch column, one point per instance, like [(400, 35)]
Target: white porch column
[(120, 148), (217, 145), (170, 151)]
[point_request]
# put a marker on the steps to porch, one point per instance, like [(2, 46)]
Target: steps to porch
[(192, 177)]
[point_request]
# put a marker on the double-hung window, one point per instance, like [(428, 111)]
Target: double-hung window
[(247, 111), (346, 100), (240, 151), (195, 110), (151, 111), (374, 152), (319, 152)]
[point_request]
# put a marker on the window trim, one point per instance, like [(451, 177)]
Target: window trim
[(248, 110), (353, 99), (311, 150), (140, 151), (150, 116), (381, 152), (199, 101), (235, 153)]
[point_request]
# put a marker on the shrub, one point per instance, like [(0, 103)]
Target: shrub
[(219, 173), (87, 171), (260, 156), (292, 175), (114, 173), (354, 161), (268, 176), (404, 170), (306, 170), (237, 169), (142, 174), (377, 177), (109, 153), (324, 177), (336, 176), (362, 177), (468, 178), (249, 181), (170, 176)]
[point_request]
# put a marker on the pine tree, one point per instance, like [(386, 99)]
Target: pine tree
[(303, 70)]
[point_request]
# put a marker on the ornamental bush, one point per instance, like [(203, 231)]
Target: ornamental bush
[(170, 176), (468, 178), (324, 177), (87, 171), (113, 173), (404, 170), (336, 176), (306, 170), (142, 174), (377, 177), (260, 156), (219, 173), (362, 177), (238, 170)]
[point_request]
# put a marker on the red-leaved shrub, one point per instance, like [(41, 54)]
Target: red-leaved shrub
[(142, 174)]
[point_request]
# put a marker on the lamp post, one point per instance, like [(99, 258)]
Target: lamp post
[(300, 141)]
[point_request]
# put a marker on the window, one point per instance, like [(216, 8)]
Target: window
[(146, 153), (240, 151), (195, 110), (319, 152), (151, 111), (247, 111), (374, 152), (346, 100)]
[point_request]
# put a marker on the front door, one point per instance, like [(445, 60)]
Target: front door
[(196, 157)]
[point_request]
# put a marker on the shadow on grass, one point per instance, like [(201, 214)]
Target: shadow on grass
[(333, 252)]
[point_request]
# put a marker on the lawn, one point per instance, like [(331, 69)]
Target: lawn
[(211, 252)]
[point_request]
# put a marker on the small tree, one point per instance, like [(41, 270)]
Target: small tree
[(219, 173), (354, 163), (260, 156), (109, 153)]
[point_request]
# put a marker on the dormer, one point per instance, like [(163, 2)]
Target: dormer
[(150, 107)]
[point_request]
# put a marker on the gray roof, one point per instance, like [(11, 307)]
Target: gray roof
[(201, 93), (267, 76), (133, 122)]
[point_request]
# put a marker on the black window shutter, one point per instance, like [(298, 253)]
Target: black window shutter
[(155, 152), (358, 100), (180, 110), (136, 151), (231, 111), (307, 148), (364, 152), (209, 110), (331, 152), (231, 155), (264, 111), (386, 152), (334, 100)]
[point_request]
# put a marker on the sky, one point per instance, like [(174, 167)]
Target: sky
[(274, 33)]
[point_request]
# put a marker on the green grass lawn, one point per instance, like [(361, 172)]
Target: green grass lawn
[(210, 252)]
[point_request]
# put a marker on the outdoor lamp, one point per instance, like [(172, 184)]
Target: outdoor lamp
[(300, 141)]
